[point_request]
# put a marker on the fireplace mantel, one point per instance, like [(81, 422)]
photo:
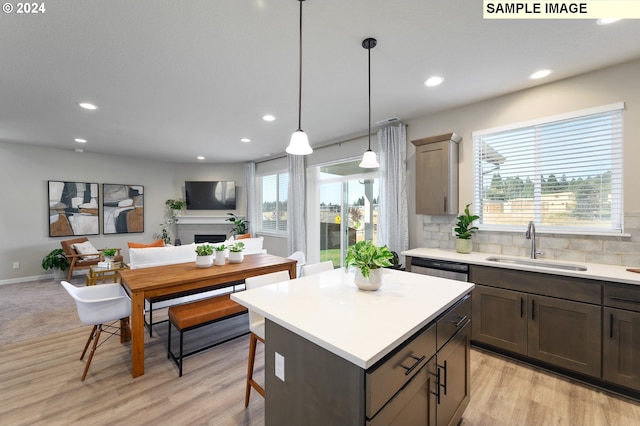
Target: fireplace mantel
[(202, 220)]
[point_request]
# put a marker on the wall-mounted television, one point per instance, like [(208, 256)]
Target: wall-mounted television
[(210, 195)]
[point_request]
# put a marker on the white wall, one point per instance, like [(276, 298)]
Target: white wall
[(25, 170), (601, 87)]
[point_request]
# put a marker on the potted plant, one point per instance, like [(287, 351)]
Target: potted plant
[(220, 254), (235, 252), (176, 206), (369, 261), (109, 254), (464, 231), (204, 258), (240, 224), (57, 261)]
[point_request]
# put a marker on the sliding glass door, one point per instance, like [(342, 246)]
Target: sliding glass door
[(344, 209)]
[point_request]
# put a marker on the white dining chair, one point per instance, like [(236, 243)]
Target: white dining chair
[(316, 268), (299, 257), (100, 306), (256, 327)]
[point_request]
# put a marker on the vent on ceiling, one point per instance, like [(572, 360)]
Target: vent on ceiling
[(389, 120)]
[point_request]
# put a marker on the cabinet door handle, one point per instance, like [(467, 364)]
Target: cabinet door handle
[(533, 310), (611, 327), (462, 320), (444, 207), (444, 367), (521, 307), (415, 364), (437, 392)]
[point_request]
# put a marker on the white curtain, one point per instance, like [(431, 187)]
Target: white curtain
[(296, 228), (250, 179), (393, 220)]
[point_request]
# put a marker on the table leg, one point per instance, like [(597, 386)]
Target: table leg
[(137, 334)]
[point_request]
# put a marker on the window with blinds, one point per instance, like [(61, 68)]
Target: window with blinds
[(564, 173), (273, 202)]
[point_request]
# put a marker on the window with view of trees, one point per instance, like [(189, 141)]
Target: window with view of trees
[(273, 202), (564, 173)]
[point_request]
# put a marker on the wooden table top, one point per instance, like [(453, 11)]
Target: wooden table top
[(162, 277)]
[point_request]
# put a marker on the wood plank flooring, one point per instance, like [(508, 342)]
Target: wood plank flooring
[(40, 385)]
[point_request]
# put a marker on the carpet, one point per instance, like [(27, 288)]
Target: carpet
[(36, 308)]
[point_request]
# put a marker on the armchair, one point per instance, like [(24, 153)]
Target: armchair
[(84, 260)]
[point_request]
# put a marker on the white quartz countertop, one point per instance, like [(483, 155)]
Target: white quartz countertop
[(359, 326), (595, 271)]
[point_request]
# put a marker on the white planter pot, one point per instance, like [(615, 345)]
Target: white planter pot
[(464, 246), (236, 256), (204, 261), (220, 258), (373, 282), (58, 274)]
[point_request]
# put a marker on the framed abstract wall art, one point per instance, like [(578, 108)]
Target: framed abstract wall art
[(122, 208), (73, 208)]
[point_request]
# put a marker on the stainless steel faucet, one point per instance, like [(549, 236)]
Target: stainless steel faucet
[(531, 235)]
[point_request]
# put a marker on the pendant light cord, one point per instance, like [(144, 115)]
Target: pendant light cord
[(300, 74), (369, 49)]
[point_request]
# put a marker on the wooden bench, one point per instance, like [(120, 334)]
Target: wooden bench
[(190, 316)]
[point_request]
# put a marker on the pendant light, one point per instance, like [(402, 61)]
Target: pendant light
[(299, 144), (369, 160)]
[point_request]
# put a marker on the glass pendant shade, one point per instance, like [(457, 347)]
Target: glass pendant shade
[(369, 160), (299, 144)]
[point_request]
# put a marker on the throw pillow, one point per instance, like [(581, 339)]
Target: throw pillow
[(243, 236), (87, 249), (157, 243)]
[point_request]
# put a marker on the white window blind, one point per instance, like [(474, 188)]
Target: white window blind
[(273, 202), (564, 173)]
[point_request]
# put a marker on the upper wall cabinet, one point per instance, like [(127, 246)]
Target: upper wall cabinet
[(437, 174)]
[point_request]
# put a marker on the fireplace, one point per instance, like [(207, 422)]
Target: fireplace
[(209, 238)]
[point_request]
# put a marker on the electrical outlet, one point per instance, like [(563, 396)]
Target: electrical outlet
[(16, 265), (279, 366)]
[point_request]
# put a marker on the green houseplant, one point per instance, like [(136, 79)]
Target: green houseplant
[(109, 254), (57, 261), (368, 260), (240, 224), (204, 258), (175, 205), (235, 252), (464, 230)]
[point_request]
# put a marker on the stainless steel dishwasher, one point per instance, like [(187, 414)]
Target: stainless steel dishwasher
[(440, 268)]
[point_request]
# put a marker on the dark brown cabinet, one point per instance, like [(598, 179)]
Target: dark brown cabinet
[(437, 174), (453, 377), (513, 311), (621, 335)]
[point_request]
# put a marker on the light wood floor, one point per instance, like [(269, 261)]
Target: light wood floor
[(40, 384)]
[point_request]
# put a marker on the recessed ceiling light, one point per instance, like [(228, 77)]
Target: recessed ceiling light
[(540, 74), (268, 117), (607, 21), (245, 140), (79, 150), (434, 81), (80, 140), (200, 157), (87, 105)]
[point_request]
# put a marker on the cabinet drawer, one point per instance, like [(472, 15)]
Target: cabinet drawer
[(453, 321), (622, 296), (570, 288), (390, 376)]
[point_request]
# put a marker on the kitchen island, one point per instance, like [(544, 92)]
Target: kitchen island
[(339, 355)]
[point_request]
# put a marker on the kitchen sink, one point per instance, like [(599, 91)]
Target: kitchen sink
[(536, 262)]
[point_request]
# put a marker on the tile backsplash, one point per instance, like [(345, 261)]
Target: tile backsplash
[(610, 250)]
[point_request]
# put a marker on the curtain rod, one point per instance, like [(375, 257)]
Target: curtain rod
[(349, 139)]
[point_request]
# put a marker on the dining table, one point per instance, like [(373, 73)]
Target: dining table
[(187, 278)]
